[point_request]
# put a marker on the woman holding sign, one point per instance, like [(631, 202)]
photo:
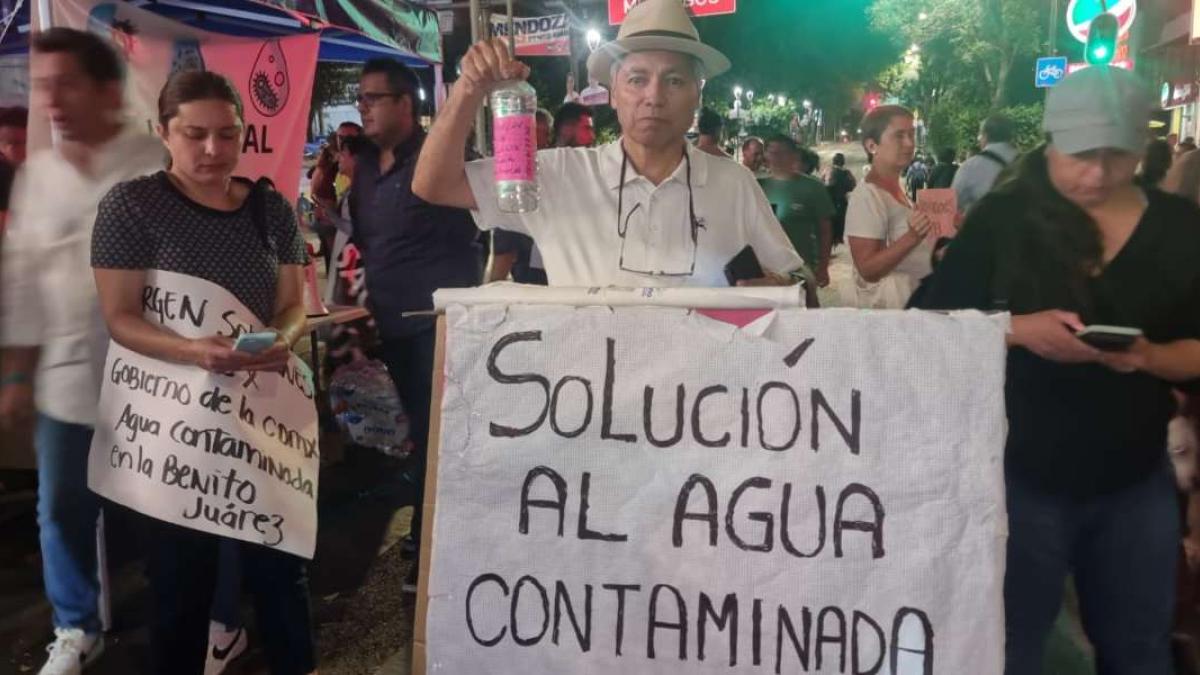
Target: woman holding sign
[(889, 241), (198, 219), (1102, 281)]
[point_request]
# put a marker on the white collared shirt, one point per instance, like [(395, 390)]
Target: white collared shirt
[(48, 296), (576, 223)]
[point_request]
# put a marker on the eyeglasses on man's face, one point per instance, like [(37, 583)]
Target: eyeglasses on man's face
[(371, 99)]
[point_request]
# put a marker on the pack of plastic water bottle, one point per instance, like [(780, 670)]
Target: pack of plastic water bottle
[(367, 408)]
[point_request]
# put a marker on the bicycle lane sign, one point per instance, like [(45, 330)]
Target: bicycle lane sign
[(1049, 71)]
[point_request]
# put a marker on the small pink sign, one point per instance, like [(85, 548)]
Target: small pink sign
[(515, 143), (942, 207)]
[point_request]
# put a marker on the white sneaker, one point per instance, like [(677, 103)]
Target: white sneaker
[(223, 647), (72, 651)]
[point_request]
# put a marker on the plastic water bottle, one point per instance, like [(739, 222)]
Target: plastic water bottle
[(514, 146)]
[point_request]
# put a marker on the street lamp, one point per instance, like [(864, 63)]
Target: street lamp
[(737, 92), (593, 39), (750, 97), (782, 100), (807, 104)]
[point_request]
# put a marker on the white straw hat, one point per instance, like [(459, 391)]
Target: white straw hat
[(656, 25)]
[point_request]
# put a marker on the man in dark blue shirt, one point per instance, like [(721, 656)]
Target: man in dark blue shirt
[(410, 248)]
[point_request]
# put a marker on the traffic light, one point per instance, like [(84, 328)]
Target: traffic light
[(1102, 40)]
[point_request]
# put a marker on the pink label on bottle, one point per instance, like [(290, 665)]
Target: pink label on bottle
[(514, 145)]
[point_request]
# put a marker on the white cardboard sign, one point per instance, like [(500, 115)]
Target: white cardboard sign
[(234, 455), (647, 490)]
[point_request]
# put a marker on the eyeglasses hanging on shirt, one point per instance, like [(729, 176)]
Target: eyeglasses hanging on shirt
[(639, 252)]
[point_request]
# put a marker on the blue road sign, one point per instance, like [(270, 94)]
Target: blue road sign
[(1050, 70)]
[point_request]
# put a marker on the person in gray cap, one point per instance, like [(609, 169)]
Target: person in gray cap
[(1066, 242), (646, 210)]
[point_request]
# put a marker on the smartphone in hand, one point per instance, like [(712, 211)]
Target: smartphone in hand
[(1109, 338), (743, 266), (254, 343)]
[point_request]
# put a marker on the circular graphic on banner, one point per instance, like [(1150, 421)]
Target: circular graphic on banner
[(269, 83), (1081, 12)]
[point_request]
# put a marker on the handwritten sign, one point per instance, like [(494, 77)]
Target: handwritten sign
[(234, 455), (659, 492), (942, 207)]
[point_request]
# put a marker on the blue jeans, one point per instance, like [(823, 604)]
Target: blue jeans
[(67, 515), (1122, 549)]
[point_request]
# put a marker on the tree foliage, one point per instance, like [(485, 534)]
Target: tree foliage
[(766, 117), (962, 69), (958, 126), (334, 84), (821, 50), (967, 47)]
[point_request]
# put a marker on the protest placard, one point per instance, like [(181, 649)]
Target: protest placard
[(646, 490), (942, 206), (234, 455)]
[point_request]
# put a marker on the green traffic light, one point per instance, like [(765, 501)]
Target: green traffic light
[(1102, 40)]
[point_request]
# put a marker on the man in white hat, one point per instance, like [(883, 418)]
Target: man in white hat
[(646, 210)]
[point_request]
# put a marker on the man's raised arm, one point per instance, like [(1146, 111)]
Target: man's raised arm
[(441, 175)]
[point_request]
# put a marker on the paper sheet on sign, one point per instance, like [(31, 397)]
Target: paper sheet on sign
[(234, 455), (560, 398)]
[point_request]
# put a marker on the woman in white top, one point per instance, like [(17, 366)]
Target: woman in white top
[(888, 240)]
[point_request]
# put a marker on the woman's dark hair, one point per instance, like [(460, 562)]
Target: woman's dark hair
[(877, 121), (1155, 163), (946, 155), (839, 159), (1053, 260), (195, 85)]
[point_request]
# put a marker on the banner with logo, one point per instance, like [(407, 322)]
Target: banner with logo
[(536, 35), (652, 491), (230, 454), (274, 77)]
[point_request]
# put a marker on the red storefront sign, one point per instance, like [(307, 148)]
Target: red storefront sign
[(617, 9)]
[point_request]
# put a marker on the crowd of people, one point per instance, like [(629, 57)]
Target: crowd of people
[(1067, 235)]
